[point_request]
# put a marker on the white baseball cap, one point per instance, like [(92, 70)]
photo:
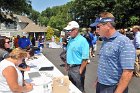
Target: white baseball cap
[(71, 25)]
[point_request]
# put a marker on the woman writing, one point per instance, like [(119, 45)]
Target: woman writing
[(11, 79)]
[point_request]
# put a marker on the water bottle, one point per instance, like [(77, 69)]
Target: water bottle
[(46, 90), (41, 48)]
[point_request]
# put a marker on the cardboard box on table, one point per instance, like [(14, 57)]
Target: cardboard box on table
[(61, 84)]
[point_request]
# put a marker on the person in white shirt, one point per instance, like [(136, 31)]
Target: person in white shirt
[(11, 80)]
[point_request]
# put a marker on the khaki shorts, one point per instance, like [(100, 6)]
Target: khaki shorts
[(138, 52)]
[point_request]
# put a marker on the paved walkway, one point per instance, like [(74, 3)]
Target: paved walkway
[(53, 56)]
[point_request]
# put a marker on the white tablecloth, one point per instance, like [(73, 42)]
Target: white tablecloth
[(46, 76)]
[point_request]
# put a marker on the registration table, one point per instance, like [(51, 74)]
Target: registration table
[(43, 83)]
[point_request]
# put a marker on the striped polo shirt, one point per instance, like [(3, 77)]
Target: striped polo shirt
[(116, 53)]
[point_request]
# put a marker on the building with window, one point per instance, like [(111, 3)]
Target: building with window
[(13, 25)]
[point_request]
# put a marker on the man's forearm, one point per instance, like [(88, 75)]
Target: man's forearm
[(83, 66), (124, 81)]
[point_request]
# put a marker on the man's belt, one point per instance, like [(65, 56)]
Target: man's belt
[(74, 65), (138, 48)]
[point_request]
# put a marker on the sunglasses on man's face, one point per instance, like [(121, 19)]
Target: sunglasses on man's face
[(70, 30)]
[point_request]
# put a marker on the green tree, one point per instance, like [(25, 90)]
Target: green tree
[(50, 33), (56, 17), (43, 20), (134, 20), (34, 16), (124, 11), (86, 10), (16, 6)]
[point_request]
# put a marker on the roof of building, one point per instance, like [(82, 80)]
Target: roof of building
[(24, 19), (32, 27)]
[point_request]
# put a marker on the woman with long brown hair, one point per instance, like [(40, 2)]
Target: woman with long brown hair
[(4, 47)]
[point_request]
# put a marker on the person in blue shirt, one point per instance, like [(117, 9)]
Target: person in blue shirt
[(24, 42), (94, 41), (77, 55), (136, 41), (116, 57), (88, 35)]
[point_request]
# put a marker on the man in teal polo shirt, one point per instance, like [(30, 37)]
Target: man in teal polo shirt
[(77, 55)]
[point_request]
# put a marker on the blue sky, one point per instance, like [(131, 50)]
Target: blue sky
[(40, 5)]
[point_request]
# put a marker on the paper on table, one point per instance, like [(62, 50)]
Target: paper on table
[(28, 80), (34, 75), (37, 81), (32, 65)]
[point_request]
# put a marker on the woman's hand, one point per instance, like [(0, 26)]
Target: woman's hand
[(27, 69), (29, 87)]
